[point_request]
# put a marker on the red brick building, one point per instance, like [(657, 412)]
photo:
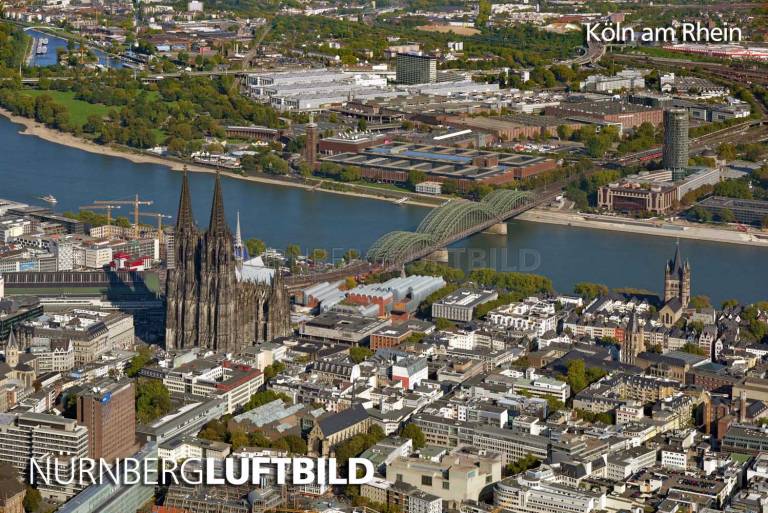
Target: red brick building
[(628, 114)]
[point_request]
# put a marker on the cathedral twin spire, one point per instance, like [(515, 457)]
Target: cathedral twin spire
[(218, 223), (185, 220)]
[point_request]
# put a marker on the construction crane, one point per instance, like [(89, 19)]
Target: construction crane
[(136, 202), (159, 220), (106, 207)]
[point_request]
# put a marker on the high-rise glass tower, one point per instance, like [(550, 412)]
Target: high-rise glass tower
[(676, 142)]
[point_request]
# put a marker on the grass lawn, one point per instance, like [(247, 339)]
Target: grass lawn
[(387, 186), (79, 110)]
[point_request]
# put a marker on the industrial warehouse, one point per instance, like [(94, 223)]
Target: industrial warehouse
[(391, 163)]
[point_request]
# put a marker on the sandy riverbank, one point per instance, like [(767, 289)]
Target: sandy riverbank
[(681, 230), (32, 127)]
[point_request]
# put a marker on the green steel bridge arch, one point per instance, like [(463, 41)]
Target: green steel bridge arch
[(454, 217), (396, 246), (446, 223)]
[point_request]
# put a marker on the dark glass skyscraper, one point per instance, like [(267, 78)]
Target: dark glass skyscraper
[(676, 141)]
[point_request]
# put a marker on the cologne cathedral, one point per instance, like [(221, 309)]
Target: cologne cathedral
[(211, 302)]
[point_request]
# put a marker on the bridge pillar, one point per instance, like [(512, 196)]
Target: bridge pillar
[(497, 229), (440, 255)]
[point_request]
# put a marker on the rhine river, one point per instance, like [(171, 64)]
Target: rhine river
[(31, 167), (50, 57)]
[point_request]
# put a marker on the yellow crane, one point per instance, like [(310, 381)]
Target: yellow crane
[(160, 218), (106, 207), (135, 202)]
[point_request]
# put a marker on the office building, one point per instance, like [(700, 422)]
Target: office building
[(625, 114), (745, 211), (633, 196), (232, 382), (184, 421), (410, 372), (91, 332), (342, 327), (627, 80), (675, 156), (531, 314), (415, 68), (41, 436), (310, 146), (541, 386), (539, 491), (460, 305), (456, 477), (108, 411), (392, 163)]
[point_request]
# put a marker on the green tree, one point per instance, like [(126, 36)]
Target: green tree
[(727, 215), (589, 291), (733, 189), (564, 132), (350, 174), (273, 370), (727, 151), (152, 400), (293, 251), (295, 444), (525, 463), (215, 431), (255, 246), (93, 124), (699, 302), (359, 354), (444, 324), (264, 397), (139, 361), (318, 255), (354, 446), (415, 177), (32, 500), (305, 169), (274, 165), (483, 13), (426, 267), (238, 439), (414, 432), (450, 187), (693, 349), (576, 376)]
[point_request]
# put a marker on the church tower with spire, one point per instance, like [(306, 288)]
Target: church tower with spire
[(634, 340), (241, 252), (208, 305), (677, 279)]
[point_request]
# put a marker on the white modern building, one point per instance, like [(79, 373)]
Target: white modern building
[(540, 491), (531, 314), (41, 436)]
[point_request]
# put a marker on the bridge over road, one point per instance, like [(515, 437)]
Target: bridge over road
[(453, 222)]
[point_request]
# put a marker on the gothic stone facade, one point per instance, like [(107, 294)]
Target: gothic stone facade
[(207, 306), (677, 279)]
